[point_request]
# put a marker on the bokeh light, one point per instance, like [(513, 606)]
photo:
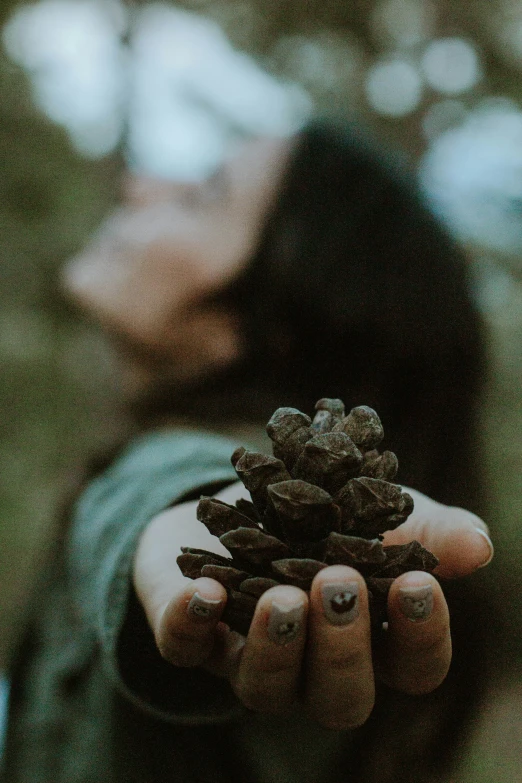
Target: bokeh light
[(72, 52), (451, 65), (180, 89), (473, 176), (325, 63), (393, 87), (402, 23)]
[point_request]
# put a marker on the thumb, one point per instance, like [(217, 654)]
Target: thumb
[(457, 537)]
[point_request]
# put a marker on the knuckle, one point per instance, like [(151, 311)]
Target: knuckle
[(345, 720), (254, 699), (423, 673), (276, 672), (180, 649), (265, 697), (422, 689), (342, 661), (430, 647), (347, 706), (422, 684)]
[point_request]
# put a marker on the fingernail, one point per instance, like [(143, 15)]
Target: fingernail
[(285, 622), (416, 602), (203, 608), (340, 602), (490, 545)]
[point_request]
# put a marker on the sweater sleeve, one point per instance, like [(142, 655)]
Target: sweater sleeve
[(155, 471)]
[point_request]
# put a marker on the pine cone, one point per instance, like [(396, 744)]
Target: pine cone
[(326, 497)]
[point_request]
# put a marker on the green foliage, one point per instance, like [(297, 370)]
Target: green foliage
[(50, 200)]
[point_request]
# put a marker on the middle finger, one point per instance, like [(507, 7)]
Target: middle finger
[(267, 678)]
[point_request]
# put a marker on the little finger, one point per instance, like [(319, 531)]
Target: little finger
[(187, 627)]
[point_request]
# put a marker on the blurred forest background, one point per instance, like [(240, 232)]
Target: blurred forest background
[(86, 85)]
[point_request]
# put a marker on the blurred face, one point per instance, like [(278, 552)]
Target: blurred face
[(151, 273)]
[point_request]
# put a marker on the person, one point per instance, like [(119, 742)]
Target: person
[(302, 268)]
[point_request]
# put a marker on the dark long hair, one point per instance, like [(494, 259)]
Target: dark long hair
[(357, 292), (376, 305)]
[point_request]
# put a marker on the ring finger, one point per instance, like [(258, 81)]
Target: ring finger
[(340, 682), (267, 678)]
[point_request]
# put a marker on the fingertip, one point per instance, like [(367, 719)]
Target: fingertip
[(279, 605), (338, 574), (466, 550), (457, 537), (339, 596), (202, 603), (186, 631), (414, 596), (413, 579), (489, 549), (281, 593), (208, 588), (202, 609)]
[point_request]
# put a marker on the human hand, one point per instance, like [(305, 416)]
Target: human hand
[(298, 646)]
